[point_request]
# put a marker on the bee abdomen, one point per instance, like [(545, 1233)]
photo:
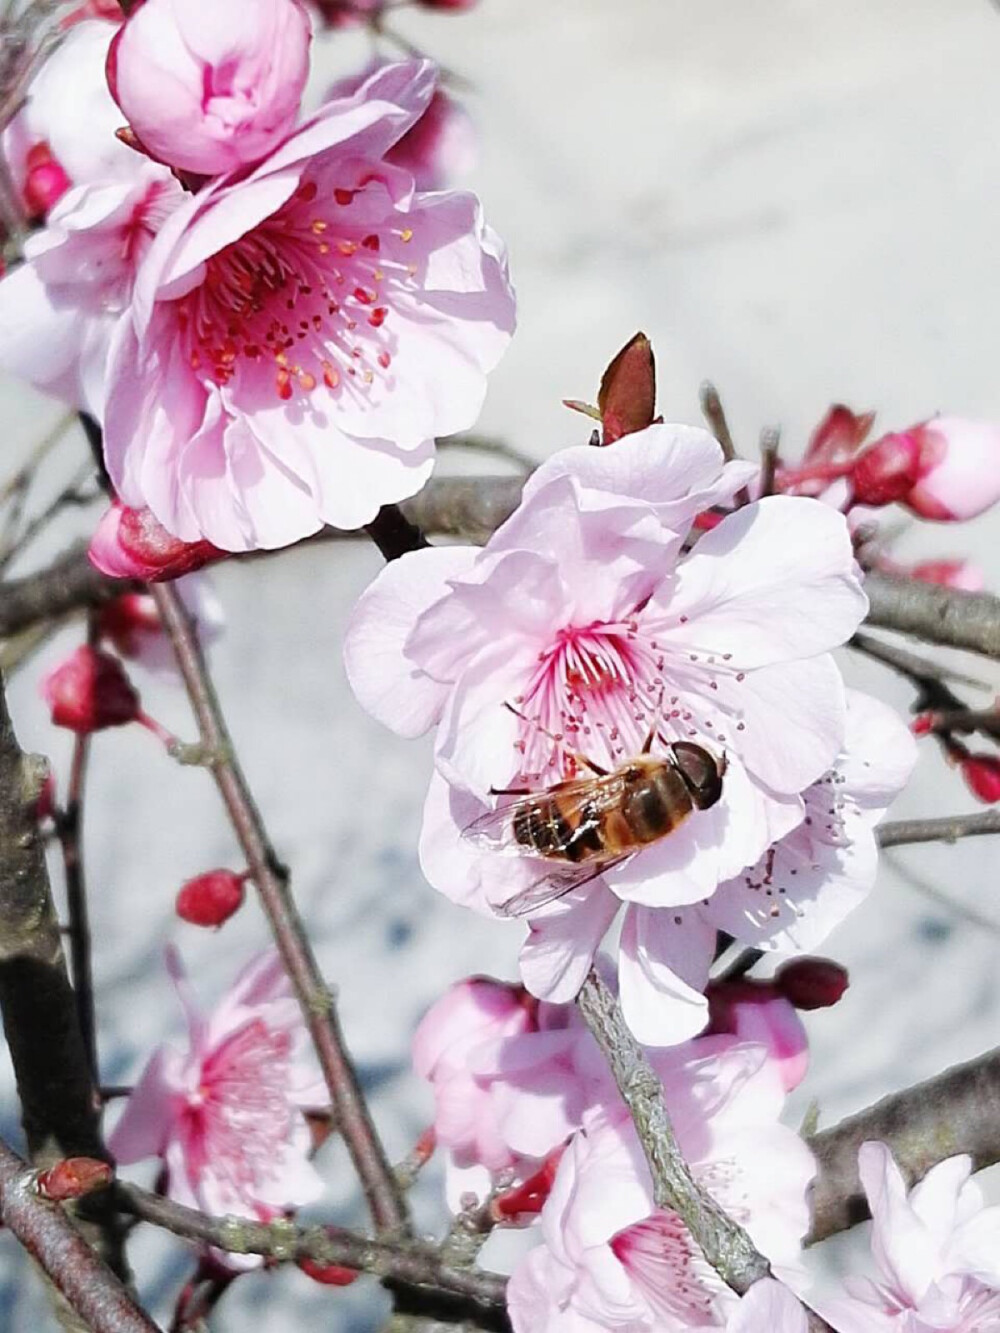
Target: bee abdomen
[(542, 828), (655, 805)]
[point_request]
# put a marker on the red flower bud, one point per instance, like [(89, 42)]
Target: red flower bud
[(330, 1275), (923, 724), (72, 1178), (212, 898), (811, 983), (982, 776), (132, 544), (126, 619), (627, 396), (45, 806), (45, 181), (90, 691), (838, 436), (888, 471)]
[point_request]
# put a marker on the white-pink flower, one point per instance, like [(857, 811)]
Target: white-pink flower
[(582, 614), (208, 89), (768, 1307), (301, 332), (936, 1249), (225, 1113), (611, 1260)]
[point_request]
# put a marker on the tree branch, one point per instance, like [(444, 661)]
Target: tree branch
[(969, 620), (88, 1285), (948, 829), (955, 1112), (69, 830), (412, 1262), (726, 1246), (58, 1103), (385, 1199)]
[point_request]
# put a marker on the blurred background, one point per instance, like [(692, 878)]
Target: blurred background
[(794, 198)]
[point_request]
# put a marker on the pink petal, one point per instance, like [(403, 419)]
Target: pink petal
[(662, 971), (560, 948), (150, 1112), (768, 1307), (901, 1245)]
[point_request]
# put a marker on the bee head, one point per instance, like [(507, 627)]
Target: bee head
[(701, 771)]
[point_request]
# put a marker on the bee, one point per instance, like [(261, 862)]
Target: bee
[(585, 826)]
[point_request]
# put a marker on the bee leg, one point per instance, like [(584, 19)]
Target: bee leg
[(510, 791)]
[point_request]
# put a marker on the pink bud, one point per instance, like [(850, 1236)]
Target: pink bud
[(329, 1275), (811, 983), (960, 469), (982, 776), (72, 1178), (887, 471), (132, 544), (440, 146), (45, 181), (960, 574), (755, 1011), (212, 898), (90, 691), (208, 88), (127, 619)]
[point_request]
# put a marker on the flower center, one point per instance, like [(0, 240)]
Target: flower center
[(302, 298), (664, 1263), (239, 1118)]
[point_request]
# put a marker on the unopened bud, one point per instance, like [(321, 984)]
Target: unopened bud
[(887, 471), (90, 691), (982, 776), (627, 396), (133, 544), (811, 983), (125, 620), (212, 898), (960, 469), (45, 181), (72, 1178), (330, 1275), (923, 724)]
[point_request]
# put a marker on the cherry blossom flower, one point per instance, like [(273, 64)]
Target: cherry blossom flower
[(301, 332), (225, 1114), (768, 1307), (756, 1011), (936, 1250), (610, 1259), (209, 89), (582, 615)]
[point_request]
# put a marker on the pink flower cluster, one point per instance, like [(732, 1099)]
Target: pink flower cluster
[(269, 315), (587, 628)]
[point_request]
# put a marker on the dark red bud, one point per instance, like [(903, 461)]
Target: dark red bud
[(923, 724), (126, 619), (811, 983), (528, 1198), (330, 1275), (888, 471), (72, 1178), (982, 776), (45, 806), (90, 691), (133, 544), (212, 898), (627, 397)]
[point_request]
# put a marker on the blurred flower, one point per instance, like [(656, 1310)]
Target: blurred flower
[(580, 614), (961, 574), (207, 90), (756, 1011), (440, 147), (936, 1251), (131, 544), (225, 1114), (610, 1259), (301, 333), (131, 623), (982, 776), (90, 691)]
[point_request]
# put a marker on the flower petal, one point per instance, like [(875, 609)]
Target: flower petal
[(662, 971)]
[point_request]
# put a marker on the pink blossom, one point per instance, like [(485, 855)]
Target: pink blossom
[(301, 333), (131, 544), (225, 1114), (69, 109), (132, 624), (440, 147), (959, 468), (58, 310), (936, 1252), (208, 89), (582, 614), (755, 1011), (610, 1259), (768, 1307)]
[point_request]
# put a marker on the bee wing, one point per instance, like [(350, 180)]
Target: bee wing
[(494, 831), (554, 884)]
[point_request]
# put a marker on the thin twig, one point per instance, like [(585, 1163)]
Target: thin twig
[(955, 1112), (69, 830), (770, 442), (410, 1261), (394, 534), (384, 1196), (73, 493), (726, 1246), (950, 829), (93, 1292), (922, 671), (714, 413)]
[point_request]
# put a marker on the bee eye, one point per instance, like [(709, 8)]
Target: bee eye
[(701, 773)]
